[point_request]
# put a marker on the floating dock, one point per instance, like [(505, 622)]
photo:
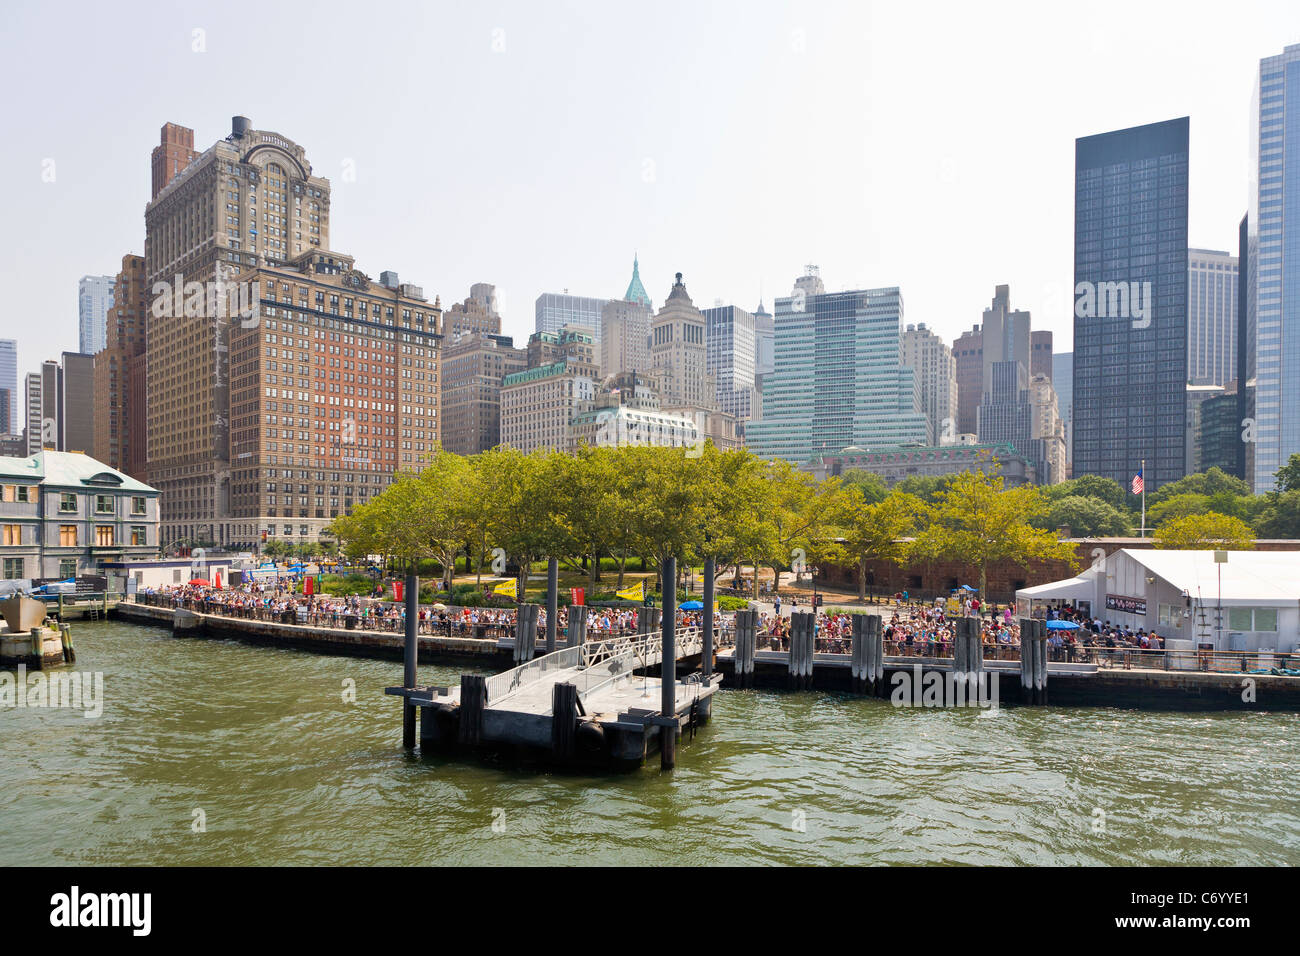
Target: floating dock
[(592, 704)]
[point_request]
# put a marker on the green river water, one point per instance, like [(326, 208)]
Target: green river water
[(285, 771)]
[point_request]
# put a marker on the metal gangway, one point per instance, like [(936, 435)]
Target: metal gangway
[(593, 667)]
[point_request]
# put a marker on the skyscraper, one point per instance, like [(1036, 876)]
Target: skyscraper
[(94, 299), (839, 380), (120, 370), (557, 310), (930, 359), (730, 340), (477, 315), (1211, 317), (9, 384), (679, 353), (764, 341), (77, 403), (1130, 314), (968, 352), (1063, 382), (249, 200), (1273, 270), (473, 368), (625, 330)]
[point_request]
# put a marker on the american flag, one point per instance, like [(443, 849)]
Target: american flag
[(1137, 483)]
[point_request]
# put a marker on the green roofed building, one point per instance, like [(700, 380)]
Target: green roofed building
[(62, 514)]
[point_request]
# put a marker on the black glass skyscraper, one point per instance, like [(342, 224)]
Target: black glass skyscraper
[(1130, 317)]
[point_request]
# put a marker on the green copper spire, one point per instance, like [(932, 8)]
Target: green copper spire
[(635, 290)]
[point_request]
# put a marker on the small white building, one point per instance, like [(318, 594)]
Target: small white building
[(1235, 600)]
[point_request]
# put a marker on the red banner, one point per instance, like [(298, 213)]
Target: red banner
[(309, 586), (397, 591), (579, 595)]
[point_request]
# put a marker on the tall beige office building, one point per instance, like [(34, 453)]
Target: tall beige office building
[(936, 375), (477, 315), (625, 331), (679, 353)]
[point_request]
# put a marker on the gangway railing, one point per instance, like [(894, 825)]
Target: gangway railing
[(598, 662)]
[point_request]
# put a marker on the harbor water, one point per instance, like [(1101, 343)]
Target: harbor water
[(217, 753)]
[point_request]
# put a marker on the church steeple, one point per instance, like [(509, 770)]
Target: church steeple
[(635, 290)]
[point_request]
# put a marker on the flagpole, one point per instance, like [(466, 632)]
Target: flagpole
[(1143, 473)]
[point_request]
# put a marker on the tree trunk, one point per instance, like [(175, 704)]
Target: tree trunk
[(862, 577)]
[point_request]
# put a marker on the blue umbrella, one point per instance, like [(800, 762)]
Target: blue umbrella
[(967, 587), (1062, 626), (691, 606)]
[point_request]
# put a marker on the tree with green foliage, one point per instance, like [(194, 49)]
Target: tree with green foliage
[(1090, 486), (928, 488), (1288, 476), (1209, 483), (874, 530), (870, 486), (1280, 515), (800, 512), (1085, 516), (1177, 506), (1201, 532), (978, 522)]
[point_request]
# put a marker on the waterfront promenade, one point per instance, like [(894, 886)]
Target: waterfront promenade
[(1103, 676)]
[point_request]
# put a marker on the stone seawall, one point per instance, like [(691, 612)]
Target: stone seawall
[(320, 640)]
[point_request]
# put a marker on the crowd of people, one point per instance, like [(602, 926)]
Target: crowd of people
[(910, 629)]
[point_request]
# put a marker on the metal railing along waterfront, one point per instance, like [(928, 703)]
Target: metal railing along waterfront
[(1105, 656)]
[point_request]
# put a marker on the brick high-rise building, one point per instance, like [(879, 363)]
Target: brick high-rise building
[(120, 412), (968, 351), (472, 371), (249, 200), (333, 389)]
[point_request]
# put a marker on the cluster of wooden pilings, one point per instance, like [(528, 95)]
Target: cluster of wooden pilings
[(746, 642), (1033, 661), (867, 666), (803, 636)]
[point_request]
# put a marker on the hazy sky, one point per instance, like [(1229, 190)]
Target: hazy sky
[(538, 145)]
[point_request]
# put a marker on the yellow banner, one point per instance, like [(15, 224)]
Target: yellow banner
[(507, 588), (635, 593)]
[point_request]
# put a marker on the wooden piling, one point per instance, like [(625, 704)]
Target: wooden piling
[(564, 720), (746, 639), (473, 700), (526, 633), (576, 632), (800, 659)]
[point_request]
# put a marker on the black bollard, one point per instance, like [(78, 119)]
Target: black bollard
[(706, 659), (411, 656), (668, 707)]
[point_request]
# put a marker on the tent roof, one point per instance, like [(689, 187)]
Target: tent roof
[(1249, 577), (1077, 587)]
